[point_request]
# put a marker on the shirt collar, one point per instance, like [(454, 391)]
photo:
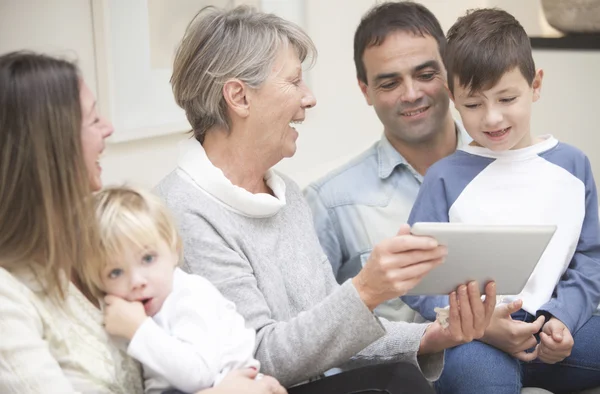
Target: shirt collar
[(389, 158), (199, 170)]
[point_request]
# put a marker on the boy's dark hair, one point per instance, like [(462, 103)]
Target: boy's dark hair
[(483, 45), (386, 18)]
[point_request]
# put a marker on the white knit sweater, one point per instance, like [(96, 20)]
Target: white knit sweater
[(46, 348)]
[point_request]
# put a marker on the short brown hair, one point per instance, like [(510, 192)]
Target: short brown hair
[(483, 45), (386, 18)]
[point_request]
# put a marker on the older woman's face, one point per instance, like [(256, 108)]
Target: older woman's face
[(279, 103), (94, 130)]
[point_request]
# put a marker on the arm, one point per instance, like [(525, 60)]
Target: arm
[(580, 284), (191, 356), (431, 205), (26, 364), (302, 346), (294, 348), (464, 324), (238, 350), (186, 366), (326, 231)]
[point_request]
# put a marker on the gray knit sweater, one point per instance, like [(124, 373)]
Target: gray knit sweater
[(276, 273)]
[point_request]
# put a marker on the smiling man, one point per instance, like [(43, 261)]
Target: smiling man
[(398, 52)]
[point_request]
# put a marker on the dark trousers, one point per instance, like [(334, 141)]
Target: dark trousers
[(397, 378)]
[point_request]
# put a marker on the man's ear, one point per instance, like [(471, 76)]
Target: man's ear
[(537, 84), (364, 89), (234, 93)]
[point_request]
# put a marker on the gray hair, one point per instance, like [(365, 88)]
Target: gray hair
[(219, 45)]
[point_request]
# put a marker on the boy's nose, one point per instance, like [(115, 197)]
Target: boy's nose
[(493, 118)]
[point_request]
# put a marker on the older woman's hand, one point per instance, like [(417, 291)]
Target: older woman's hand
[(469, 317), (243, 381), (396, 265)]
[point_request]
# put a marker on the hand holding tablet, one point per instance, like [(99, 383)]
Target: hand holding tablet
[(504, 254)]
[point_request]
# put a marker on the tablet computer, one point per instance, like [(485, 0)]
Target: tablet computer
[(505, 254)]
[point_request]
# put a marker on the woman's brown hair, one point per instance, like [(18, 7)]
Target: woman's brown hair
[(46, 217)]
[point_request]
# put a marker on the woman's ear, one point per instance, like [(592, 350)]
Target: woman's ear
[(234, 93)]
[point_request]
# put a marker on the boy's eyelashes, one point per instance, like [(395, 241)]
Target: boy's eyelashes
[(502, 100)]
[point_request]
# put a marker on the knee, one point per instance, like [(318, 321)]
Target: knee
[(480, 362)]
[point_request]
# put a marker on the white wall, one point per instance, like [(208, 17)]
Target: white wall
[(57, 27), (341, 125)]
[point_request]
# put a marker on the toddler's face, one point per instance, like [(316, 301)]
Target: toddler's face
[(142, 274)]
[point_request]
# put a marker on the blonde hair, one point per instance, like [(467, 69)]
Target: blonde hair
[(46, 217), (129, 217), (219, 45)]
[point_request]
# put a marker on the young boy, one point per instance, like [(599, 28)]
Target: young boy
[(508, 176), (183, 331)]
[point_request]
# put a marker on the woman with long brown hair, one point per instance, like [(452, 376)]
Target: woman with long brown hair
[(50, 140), (51, 333)]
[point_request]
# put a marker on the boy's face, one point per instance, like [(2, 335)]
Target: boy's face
[(144, 275), (499, 118)]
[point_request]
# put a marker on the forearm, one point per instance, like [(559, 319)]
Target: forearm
[(580, 285), (405, 342), (180, 363), (323, 337)]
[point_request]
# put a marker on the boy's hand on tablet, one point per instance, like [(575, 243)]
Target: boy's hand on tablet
[(556, 342), (123, 318), (396, 265), (513, 336)]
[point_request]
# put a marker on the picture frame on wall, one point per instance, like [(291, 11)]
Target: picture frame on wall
[(135, 42)]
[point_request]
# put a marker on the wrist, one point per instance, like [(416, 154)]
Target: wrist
[(488, 337), (434, 340), (363, 293), (547, 317), (133, 327)]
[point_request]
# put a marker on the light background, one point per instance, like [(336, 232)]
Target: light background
[(341, 125)]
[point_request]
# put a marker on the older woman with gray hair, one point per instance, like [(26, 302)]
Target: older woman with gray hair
[(238, 76)]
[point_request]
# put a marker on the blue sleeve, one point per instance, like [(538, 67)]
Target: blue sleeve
[(328, 237), (578, 292), (431, 206)]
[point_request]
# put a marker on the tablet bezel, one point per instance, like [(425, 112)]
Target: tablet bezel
[(506, 254)]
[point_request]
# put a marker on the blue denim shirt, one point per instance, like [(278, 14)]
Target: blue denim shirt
[(362, 203)]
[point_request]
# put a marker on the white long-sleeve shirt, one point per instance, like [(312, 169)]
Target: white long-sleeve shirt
[(194, 340)]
